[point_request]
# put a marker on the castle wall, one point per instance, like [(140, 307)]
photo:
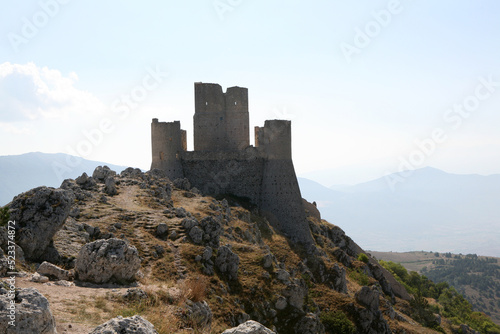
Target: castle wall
[(218, 173), (167, 141), (281, 200)]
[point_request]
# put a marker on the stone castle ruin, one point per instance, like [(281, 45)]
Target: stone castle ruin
[(224, 162)]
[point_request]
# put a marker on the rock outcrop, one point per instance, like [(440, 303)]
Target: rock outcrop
[(4, 264), (249, 327), (103, 261), (198, 314), (131, 325), (227, 262), (52, 271), (310, 324), (32, 313), (101, 173), (39, 213)]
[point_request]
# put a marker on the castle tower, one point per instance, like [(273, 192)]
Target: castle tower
[(221, 121), (237, 118), (280, 198), (167, 141), (275, 139)]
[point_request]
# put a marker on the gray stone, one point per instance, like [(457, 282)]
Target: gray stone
[(467, 330), (339, 278), (74, 212), (130, 325), (188, 223), (132, 172), (207, 253), (282, 275), (110, 186), (368, 297), (310, 324), (296, 293), (268, 260), (86, 182), (196, 234), (227, 262), (51, 270), (111, 260), (135, 294), (37, 278), (281, 303), (101, 173), (39, 214), (199, 313), (180, 212), (32, 313), (161, 229), (212, 230), (249, 327)]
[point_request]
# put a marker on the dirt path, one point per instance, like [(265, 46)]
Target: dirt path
[(73, 307)]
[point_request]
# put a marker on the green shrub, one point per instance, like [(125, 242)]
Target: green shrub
[(363, 257), (359, 277), (337, 322), (4, 216)]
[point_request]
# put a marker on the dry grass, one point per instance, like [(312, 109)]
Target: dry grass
[(195, 288)]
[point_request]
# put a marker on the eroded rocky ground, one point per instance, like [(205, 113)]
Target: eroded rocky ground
[(206, 264)]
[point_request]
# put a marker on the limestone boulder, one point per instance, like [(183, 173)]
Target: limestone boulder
[(39, 213), (212, 230), (310, 324), (368, 297), (130, 325), (32, 313), (132, 173), (198, 314), (52, 271), (110, 260), (196, 234), (110, 186), (86, 182), (101, 173), (249, 327), (161, 230), (227, 262), (296, 292), (135, 294)]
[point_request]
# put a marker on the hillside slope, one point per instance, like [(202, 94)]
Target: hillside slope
[(476, 277), (211, 264)]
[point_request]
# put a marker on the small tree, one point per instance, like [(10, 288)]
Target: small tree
[(363, 257)]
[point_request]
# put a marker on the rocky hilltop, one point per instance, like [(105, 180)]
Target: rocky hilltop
[(139, 253)]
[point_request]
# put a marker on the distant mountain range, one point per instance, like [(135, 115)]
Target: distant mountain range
[(19, 173), (429, 210)]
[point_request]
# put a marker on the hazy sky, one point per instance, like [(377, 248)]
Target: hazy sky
[(367, 85)]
